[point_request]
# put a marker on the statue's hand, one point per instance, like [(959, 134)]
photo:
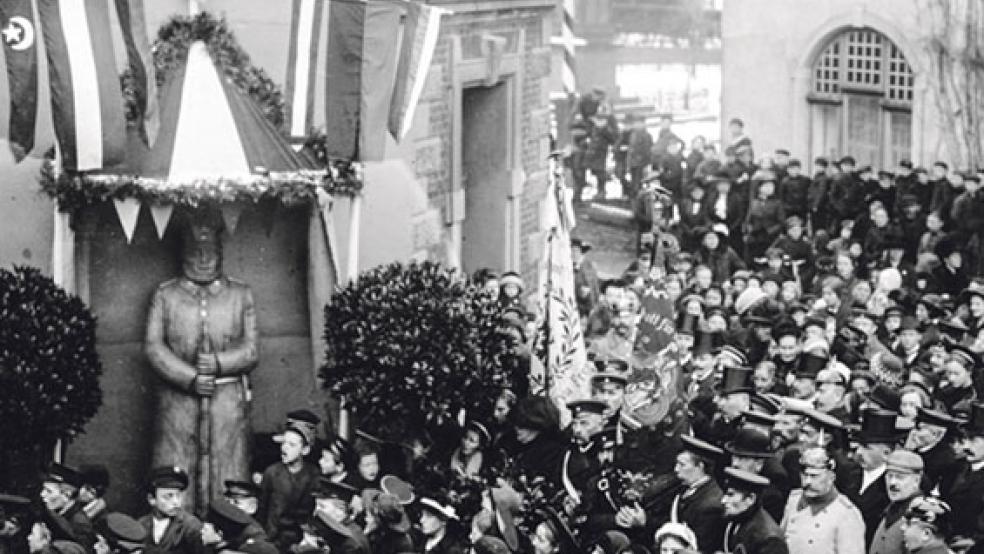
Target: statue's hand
[(204, 385), (207, 364)]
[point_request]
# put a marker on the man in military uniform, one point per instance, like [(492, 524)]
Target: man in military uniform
[(170, 529), (818, 519), (587, 454), (201, 341), (63, 514), (750, 528), (903, 474), (228, 528)]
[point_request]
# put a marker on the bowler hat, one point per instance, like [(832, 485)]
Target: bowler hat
[(750, 443), (878, 427)]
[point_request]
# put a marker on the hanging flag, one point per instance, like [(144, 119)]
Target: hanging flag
[(421, 29), (302, 56), (360, 69), (566, 376), (140, 60), (86, 100), (20, 52)]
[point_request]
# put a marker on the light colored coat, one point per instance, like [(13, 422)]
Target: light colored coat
[(838, 528)]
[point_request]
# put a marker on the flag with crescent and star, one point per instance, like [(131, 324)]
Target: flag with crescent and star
[(21, 87), (86, 98)]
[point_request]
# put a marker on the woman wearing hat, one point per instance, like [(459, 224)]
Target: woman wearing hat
[(552, 535), (715, 253), (438, 523), (466, 460), (675, 537)]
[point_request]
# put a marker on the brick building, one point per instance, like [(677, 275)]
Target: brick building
[(464, 187)]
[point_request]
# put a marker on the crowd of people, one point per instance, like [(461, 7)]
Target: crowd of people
[(829, 396)]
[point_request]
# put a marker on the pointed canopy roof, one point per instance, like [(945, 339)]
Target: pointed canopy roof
[(211, 134)]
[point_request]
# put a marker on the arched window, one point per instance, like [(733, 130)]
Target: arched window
[(861, 100)]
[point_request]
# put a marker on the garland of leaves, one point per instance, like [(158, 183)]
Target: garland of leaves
[(338, 178)]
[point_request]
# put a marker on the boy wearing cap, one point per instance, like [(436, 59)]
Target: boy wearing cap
[(903, 474), (287, 486), (170, 530), (63, 514), (749, 527), (333, 516)]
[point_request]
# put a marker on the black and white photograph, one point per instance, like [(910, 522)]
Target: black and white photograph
[(491, 277)]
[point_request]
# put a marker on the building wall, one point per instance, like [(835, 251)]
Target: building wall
[(769, 47), (411, 210)]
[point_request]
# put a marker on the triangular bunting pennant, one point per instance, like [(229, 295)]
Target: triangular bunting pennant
[(230, 214), (162, 216), (128, 210)]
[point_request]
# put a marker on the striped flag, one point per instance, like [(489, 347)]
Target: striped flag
[(421, 30), (86, 100), (21, 55), (568, 41), (360, 69), (301, 65), (141, 63)]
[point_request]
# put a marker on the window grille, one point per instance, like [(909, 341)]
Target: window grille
[(864, 60)]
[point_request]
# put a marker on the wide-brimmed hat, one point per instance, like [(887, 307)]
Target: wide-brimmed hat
[(390, 513)]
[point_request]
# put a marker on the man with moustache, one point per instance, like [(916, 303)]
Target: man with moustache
[(932, 439), (903, 474), (818, 518), (584, 458), (750, 528), (967, 491), (875, 441), (698, 505)]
